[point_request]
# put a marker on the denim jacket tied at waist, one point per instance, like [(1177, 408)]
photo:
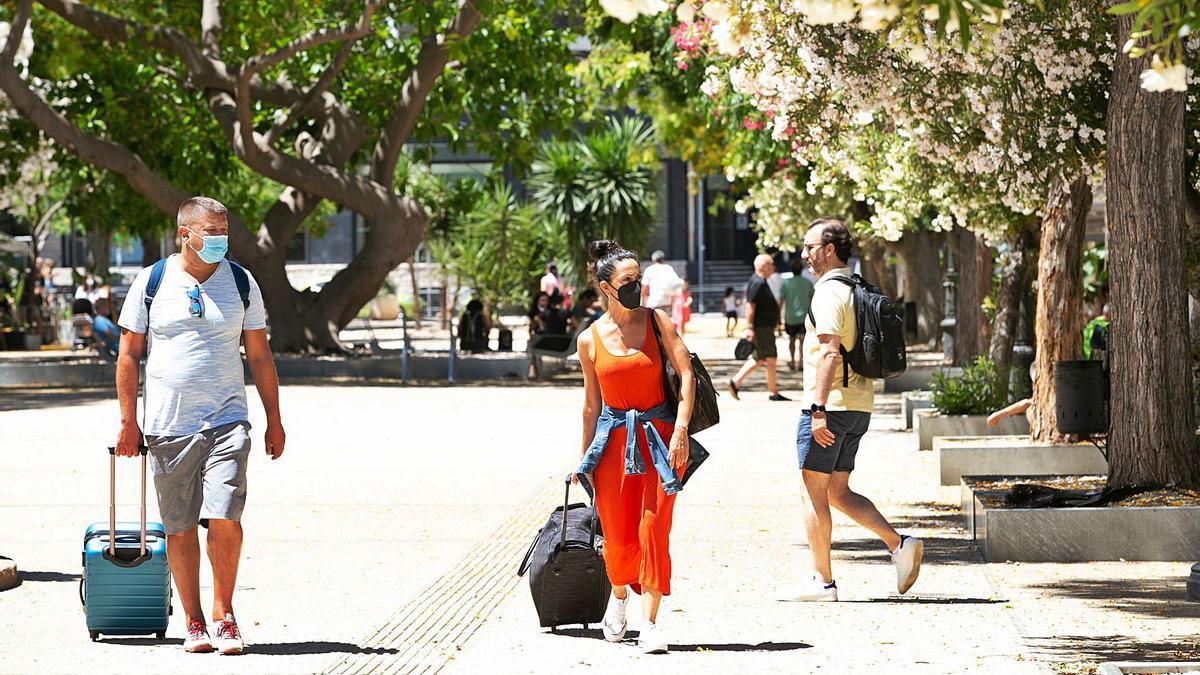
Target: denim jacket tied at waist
[(612, 418)]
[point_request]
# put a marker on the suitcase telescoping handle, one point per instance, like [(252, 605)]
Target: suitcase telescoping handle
[(562, 537), (112, 500)]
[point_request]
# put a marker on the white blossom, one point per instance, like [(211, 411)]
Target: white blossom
[(1161, 77)]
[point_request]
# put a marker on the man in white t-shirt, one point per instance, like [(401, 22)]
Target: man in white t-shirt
[(836, 414), (659, 283), (196, 424)]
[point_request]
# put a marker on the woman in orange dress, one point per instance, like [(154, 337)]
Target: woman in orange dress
[(635, 478)]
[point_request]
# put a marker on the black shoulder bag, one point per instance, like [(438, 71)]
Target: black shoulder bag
[(704, 408)]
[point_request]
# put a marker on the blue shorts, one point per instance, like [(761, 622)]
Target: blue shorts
[(848, 427)]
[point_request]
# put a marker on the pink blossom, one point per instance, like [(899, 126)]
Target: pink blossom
[(688, 36), (752, 125), (682, 65)]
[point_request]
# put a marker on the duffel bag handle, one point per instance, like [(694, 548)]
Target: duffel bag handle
[(112, 500), (562, 537)]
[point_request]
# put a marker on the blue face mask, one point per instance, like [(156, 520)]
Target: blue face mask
[(214, 249)]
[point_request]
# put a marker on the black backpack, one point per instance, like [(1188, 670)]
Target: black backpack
[(879, 350)]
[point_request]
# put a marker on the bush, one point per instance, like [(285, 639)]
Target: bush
[(978, 391)]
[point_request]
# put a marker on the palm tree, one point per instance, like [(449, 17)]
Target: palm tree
[(598, 185)]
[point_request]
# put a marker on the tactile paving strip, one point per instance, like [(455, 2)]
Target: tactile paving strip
[(425, 633)]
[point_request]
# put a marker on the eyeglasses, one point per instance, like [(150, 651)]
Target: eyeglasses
[(196, 306)]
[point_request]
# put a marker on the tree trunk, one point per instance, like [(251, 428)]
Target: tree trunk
[(918, 249), (99, 248), (1192, 218), (151, 249), (416, 292), (974, 284), (1015, 279), (1152, 430), (874, 255), (1059, 320)]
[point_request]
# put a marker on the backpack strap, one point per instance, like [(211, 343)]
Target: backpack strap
[(152, 284), (842, 349), (242, 280)]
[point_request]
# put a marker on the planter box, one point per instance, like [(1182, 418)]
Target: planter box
[(929, 424), (912, 401), (1132, 667), (1170, 533), (960, 456)]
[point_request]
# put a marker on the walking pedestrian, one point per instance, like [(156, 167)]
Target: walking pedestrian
[(635, 479), (681, 308), (195, 420), (836, 415), (106, 334), (730, 304), (796, 294), (551, 283), (762, 319), (659, 283)]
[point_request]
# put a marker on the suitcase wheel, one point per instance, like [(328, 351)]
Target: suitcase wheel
[(162, 634), (95, 635)]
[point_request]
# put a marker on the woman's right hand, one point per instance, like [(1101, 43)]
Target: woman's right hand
[(574, 478)]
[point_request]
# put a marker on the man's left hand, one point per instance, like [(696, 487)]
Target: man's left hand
[(274, 439), (820, 431), (679, 448)]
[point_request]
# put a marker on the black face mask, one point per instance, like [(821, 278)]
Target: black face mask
[(630, 295)]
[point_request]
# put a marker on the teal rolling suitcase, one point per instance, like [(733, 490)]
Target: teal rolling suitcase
[(126, 585)]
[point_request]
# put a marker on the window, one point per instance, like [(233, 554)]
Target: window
[(431, 302), (422, 254), (361, 228), (476, 171)]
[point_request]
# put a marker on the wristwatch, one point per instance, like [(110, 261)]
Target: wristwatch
[(816, 408)]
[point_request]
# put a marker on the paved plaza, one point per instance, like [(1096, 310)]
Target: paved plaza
[(388, 536)]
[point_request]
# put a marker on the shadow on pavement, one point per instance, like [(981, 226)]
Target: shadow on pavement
[(741, 647), (1161, 597), (596, 634), (141, 641), (938, 550), (1097, 648), (47, 576), (916, 600), (315, 647), (29, 399)]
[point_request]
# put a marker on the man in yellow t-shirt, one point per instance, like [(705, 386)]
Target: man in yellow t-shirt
[(837, 412)]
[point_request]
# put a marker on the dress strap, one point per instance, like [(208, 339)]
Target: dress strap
[(597, 345)]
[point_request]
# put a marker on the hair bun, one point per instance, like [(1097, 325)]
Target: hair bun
[(598, 249)]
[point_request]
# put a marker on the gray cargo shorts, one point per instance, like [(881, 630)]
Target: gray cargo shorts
[(201, 475)]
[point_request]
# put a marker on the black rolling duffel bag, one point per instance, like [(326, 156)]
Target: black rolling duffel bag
[(566, 570)]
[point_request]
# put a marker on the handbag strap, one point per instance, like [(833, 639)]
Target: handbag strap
[(662, 355)]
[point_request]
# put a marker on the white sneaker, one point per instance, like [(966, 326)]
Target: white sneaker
[(197, 640), (815, 590), (614, 623), (907, 559), (228, 639), (652, 640)]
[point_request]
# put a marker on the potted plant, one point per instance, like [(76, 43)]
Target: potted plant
[(385, 306), (962, 403)]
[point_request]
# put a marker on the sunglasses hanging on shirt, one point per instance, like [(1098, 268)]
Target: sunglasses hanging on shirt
[(197, 308)]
